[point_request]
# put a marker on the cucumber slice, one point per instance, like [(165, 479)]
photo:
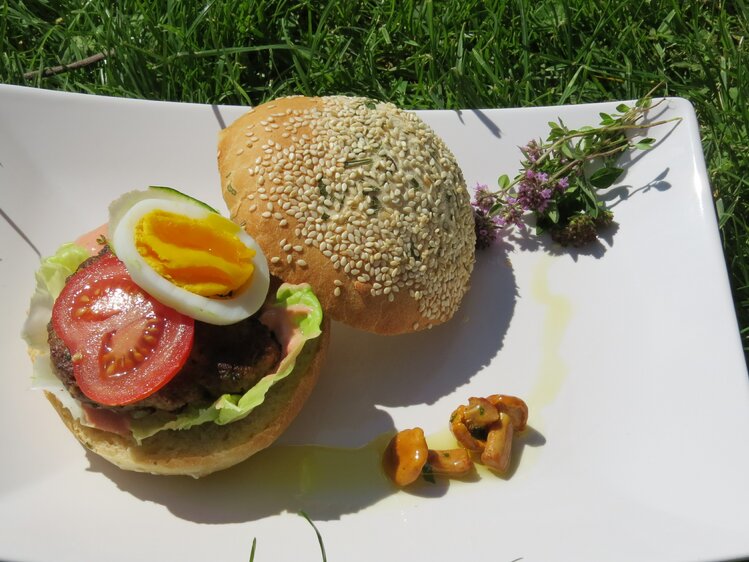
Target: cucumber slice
[(170, 191)]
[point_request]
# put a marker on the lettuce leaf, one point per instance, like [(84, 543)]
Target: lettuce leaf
[(303, 314), (50, 279)]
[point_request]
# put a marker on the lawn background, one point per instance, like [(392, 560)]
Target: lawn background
[(417, 54)]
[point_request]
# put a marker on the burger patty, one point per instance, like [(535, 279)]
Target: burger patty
[(224, 359)]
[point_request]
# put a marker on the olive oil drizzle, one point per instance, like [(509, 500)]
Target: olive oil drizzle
[(552, 369)]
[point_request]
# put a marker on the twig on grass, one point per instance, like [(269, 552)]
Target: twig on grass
[(52, 70)]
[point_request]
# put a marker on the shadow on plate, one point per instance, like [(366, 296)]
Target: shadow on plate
[(325, 482), (485, 120), (423, 367)]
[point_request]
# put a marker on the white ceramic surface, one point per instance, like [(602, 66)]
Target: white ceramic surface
[(628, 355)]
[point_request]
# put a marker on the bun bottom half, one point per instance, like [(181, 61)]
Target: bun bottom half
[(209, 447)]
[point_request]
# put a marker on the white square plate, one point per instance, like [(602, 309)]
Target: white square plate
[(628, 355)]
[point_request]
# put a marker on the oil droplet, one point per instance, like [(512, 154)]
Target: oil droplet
[(552, 369)]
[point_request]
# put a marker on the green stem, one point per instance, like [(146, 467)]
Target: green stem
[(581, 161), (627, 125)]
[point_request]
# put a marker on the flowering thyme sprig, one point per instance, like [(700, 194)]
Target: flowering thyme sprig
[(556, 185)]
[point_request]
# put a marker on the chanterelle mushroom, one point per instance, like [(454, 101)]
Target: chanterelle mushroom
[(487, 425), (407, 456)]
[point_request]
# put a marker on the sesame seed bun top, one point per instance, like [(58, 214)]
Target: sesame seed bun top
[(358, 198)]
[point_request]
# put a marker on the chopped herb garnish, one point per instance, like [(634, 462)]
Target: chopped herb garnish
[(428, 475), (392, 161), (101, 240), (372, 192), (230, 189), (356, 162)]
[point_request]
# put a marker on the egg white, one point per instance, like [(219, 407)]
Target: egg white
[(245, 301)]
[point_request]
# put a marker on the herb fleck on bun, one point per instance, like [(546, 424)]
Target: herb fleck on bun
[(358, 198)]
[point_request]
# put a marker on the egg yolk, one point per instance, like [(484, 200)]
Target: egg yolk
[(204, 256)]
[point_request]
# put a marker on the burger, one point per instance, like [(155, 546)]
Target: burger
[(165, 345), (338, 204)]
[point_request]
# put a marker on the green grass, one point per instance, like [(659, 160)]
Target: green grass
[(469, 53)]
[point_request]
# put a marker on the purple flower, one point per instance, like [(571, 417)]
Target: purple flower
[(483, 198), (487, 228), (533, 194), (512, 214), (562, 184), (531, 151)]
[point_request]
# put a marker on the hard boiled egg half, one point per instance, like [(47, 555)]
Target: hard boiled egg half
[(187, 256)]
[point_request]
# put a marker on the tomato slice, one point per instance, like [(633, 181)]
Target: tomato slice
[(125, 344)]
